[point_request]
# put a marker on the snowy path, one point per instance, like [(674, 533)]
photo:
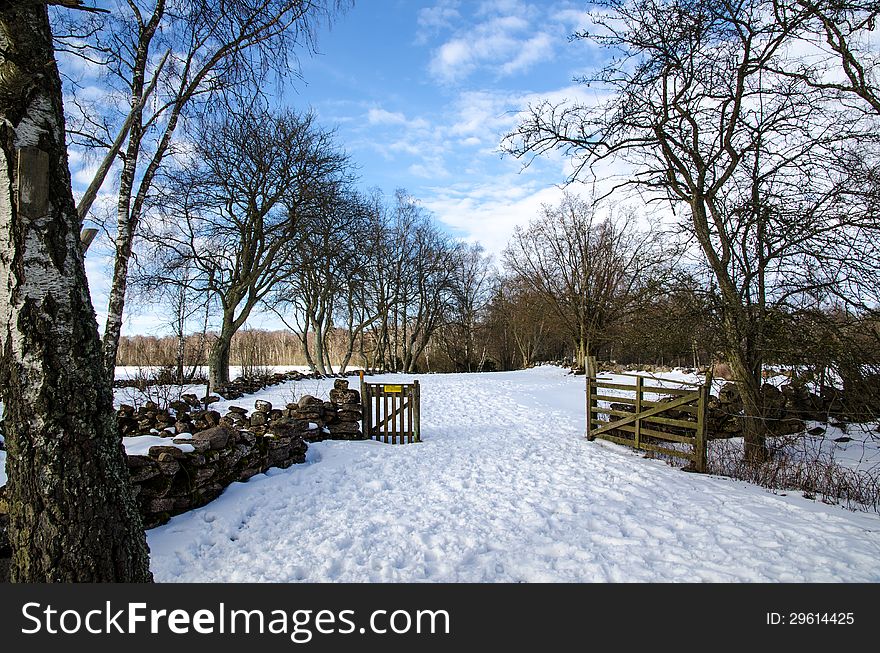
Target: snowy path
[(505, 488)]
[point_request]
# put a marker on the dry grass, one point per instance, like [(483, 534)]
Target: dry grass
[(794, 467)]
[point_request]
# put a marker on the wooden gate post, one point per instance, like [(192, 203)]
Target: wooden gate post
[(640, 383), (589, 390), (417, 411), (590, 373), (700, 443), (366, 417)]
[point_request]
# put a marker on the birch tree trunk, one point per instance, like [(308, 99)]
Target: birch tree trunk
[(127, 218), (72, 513)]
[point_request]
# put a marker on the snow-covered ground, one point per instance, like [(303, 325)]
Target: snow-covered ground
[(854, 446), (505, 488), (134, 371)]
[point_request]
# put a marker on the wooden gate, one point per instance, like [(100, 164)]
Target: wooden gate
[(647, 417), (391, 412)]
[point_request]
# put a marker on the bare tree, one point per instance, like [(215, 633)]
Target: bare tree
[(751, 156), (591, 271), (234, 214), (173, 289), (72, 512), (215, 49), (359, 308), (460, 332), (523, 316), (847, 64), (326, 264), (423, 281)]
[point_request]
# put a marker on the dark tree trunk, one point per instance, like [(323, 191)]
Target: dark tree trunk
[(755, 429), (72, 512), (308, 352), (734, 326), (218, 360), (318, 361)]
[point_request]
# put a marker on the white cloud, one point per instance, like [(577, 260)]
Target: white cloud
[(531, 52), (454, 59), (406, 147), (510, 7), (428, 171), (383, 117), (488, 115), (575, 20), (439, 17), (489, 213), (506, 37), (484, 114), (378, 116)]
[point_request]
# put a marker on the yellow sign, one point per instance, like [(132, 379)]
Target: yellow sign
[(393, 388)]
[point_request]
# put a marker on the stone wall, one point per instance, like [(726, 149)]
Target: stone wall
[(787, 409), (235, 389), (170, 480), (206, 451)]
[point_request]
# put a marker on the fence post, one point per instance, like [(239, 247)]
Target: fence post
[(365, 407), (638, 425), (589, 391), (417, 410), (700, 443), (591, 388), (386, 436), (406, 415)]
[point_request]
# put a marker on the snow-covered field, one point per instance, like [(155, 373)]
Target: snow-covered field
[(505, 489), (133, 371)]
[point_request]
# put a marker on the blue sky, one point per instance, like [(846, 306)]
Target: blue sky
[(421, 94)]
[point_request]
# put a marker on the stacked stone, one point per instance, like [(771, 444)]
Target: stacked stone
[(346, 411), (246, 385), (169, 481), (311, 410), (181, 419), (151, 420), (242, 386), (724, 413), (803, 402), (265, 420), (725, 418)]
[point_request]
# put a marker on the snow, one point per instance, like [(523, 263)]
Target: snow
[(505, 488), (133, 371), (140, 445)]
